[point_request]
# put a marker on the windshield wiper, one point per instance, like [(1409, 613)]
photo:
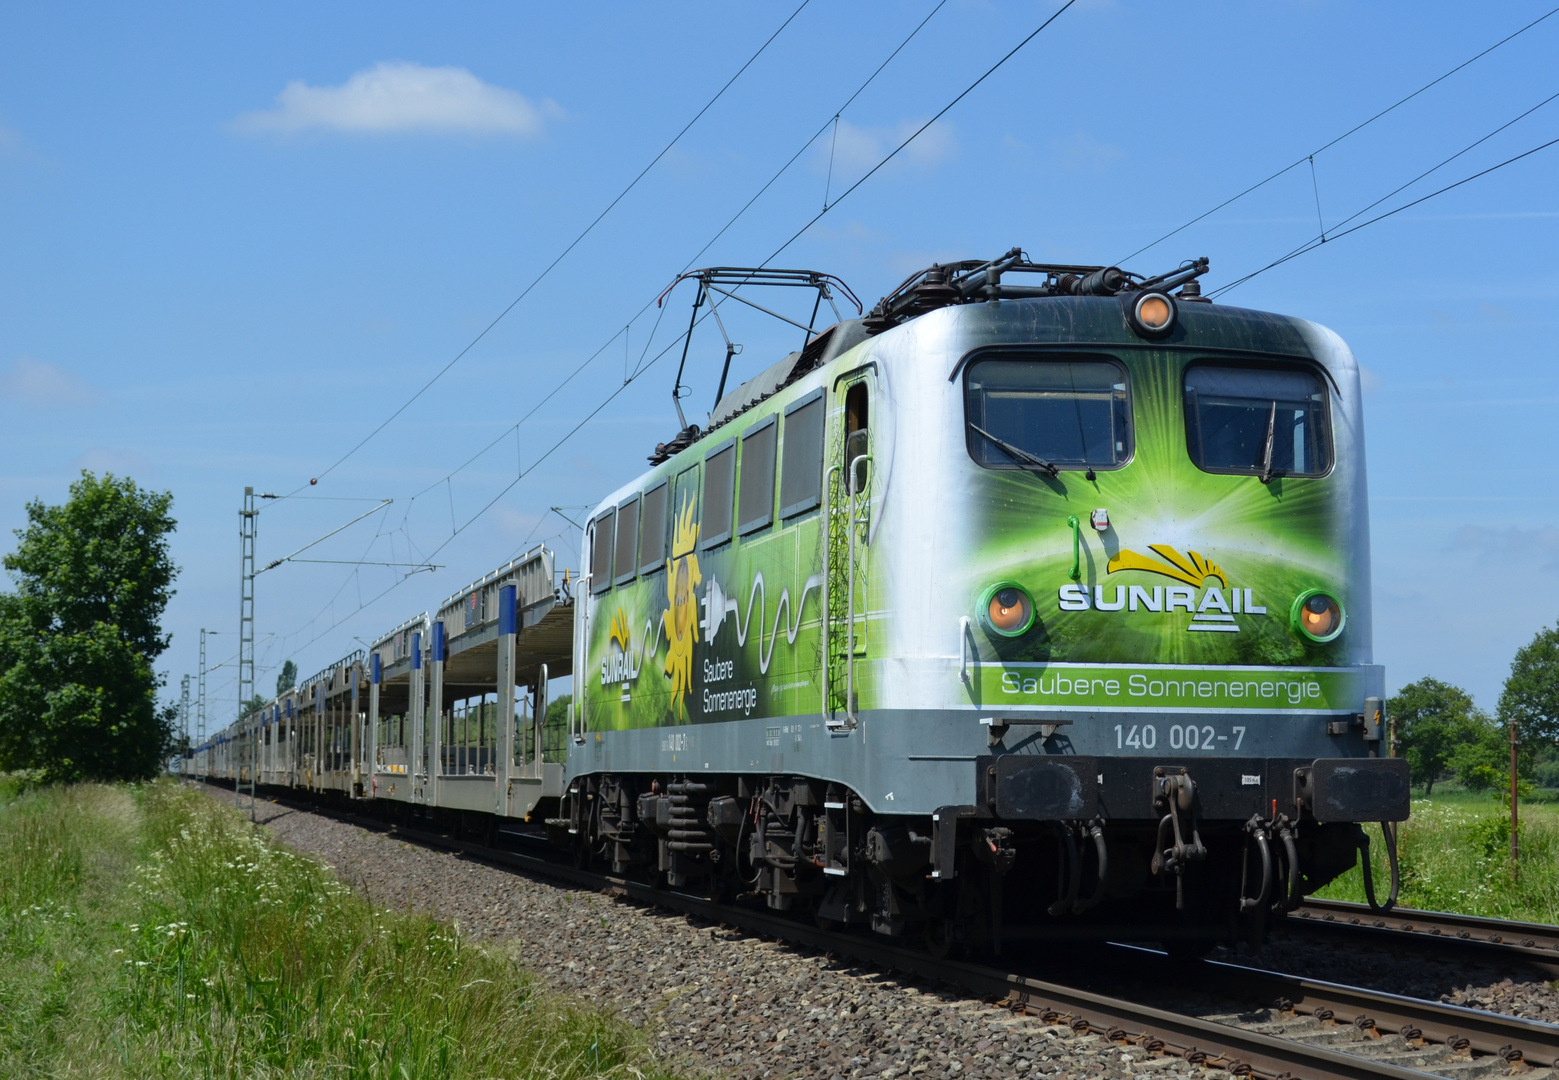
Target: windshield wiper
[(1022, 457), (1266, 457)]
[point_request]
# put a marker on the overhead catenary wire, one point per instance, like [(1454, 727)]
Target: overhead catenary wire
[(490, 504), (1351, 131), (675, 341), (625, 330), (830, 122), (1339, 234), (418, 566), (329, 604), (273, 564), (1323, 238), (918, 131), (1328, 236), (769, 183), (586, 231)]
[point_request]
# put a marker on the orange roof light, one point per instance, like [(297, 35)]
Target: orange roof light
[(1152, 314)]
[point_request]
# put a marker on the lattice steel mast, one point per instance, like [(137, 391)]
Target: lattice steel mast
[(248, 517), (200, 700), (184, 751)]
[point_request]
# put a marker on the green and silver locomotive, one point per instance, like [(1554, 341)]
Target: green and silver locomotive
[(1035, 602)]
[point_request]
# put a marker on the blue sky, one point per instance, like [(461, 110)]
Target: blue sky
[(234, 240)]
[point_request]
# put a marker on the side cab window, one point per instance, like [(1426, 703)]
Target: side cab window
[(801, 456), (601, 544)]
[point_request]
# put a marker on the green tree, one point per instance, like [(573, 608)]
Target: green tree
[(100, 558), (1434, 719), (287, 679), (1531, 693), (78, 695), (1482, 762)]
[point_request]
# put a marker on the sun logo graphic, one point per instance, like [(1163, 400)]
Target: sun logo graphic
[(619, 632), (1193, 568), (1205, 594), (617, 665), (682, 578)]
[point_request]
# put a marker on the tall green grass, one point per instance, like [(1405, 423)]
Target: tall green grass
[(1455, 856), (152, 933)]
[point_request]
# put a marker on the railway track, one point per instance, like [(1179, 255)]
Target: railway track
[(1287, 1026), (1498, 940)]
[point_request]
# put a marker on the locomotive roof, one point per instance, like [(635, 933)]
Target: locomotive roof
[(1098, 320), (1013, 301)]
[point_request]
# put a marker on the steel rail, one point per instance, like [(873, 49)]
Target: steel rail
[(1502, 941), (1238, 1050), (1376, 1013)]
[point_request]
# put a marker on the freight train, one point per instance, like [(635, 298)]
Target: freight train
[(1032, 603)]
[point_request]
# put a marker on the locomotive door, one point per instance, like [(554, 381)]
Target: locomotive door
[(848, 523)]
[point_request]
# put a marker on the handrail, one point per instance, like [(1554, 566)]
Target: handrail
[(493, 575), (849, 653), (828, 487), (1077, 543), (963, 649)]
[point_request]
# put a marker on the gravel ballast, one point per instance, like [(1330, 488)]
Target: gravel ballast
[(725, 1002), (713, 1000)]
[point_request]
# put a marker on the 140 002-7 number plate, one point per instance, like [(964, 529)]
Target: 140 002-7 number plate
[(1180, 737)]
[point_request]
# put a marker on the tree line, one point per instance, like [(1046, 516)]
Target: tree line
[(1444, 735)]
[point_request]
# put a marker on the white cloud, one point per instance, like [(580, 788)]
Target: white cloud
[(856, 149), (398, 96), (38, 382)]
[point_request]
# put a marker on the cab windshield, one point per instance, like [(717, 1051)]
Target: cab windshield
[(1262, 422), (1047, 414)]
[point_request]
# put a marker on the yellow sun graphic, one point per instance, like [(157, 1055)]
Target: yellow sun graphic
[(620, 630), (682, 577), (1194, 570)]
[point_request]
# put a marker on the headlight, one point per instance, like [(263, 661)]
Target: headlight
[(1152, 314), (1007, 609), (1317, 615)]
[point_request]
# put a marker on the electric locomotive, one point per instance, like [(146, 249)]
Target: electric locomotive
[(1034, 602)]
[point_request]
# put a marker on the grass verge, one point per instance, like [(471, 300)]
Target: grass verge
[(150, 932), (1455, 856)]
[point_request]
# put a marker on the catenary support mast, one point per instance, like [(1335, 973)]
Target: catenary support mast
[(247, 519), (184, 722), (200, 698)]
